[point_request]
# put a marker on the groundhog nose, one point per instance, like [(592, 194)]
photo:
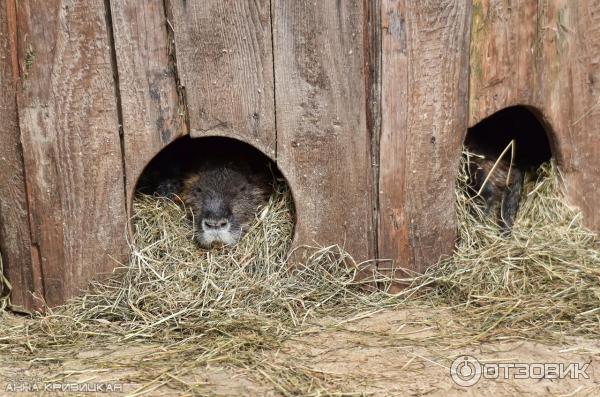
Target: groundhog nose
[(215, 224)]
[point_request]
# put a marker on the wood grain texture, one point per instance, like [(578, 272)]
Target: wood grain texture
[(582, 162), (15, 244), (151, 113), (225, 63), (70, 136), (424, 116), (323, 141), (503, 48), (545, 55)]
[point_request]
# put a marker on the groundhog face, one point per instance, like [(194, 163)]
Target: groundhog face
[(224, 199)]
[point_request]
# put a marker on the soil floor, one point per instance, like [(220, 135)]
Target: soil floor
[(387, 353)]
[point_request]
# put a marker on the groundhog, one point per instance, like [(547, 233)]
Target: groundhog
[(502, 190), (221, 182), (224, 197)]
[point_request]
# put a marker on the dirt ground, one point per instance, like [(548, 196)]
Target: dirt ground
[(387, 353)]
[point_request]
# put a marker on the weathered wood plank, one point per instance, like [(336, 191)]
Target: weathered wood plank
[(323, 141), (225, 63), (567, 90), (15, 244), (503, 49), (424, 116), (545, 55), (70, 136), (151, 113)]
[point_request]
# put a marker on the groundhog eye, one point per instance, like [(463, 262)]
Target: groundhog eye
[(243, 188)]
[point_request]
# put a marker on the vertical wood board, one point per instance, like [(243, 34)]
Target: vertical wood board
[(323, 141), (225, 63), (152, 113), (424, 116), (504, 43), (545, 55), (70, 135), (15, 244), (568, 92)]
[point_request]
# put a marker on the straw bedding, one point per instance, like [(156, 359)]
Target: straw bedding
[(227, 306), (542, 281)]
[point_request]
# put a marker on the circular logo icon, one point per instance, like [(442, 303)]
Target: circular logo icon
[(465, 371)]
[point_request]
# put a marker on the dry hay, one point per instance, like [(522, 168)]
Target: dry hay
[(217, 307), (5, 288), (227, 307), (542, 281)]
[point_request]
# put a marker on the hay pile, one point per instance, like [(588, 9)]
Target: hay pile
[(543, 281), (218, 307), (228, 306)]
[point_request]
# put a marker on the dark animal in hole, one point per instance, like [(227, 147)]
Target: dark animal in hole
[(223, 188), (224, 198), (498, 182)]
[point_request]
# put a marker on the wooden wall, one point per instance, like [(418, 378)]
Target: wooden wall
[(363, 104), (546, 55)]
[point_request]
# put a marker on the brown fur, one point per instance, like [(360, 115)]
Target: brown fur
[(222, 181), (229, 191)]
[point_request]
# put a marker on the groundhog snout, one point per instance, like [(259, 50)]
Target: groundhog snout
[(216, 214)]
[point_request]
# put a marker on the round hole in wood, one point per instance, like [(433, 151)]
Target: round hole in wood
[(522, 124), (219, 179), (496, 169)]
